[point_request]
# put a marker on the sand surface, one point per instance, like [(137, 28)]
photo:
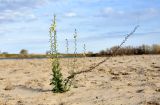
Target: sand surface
[(125, 80)]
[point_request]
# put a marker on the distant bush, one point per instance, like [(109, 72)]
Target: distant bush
[(91, 54), (48, 52), (4, 52), (24, 52), (156, 49)]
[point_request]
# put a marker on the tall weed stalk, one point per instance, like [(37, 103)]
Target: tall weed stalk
[(67, 52), (75, 50), (84, 55), (57, 77)]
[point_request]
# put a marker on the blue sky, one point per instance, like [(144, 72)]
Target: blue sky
[(24, 24)]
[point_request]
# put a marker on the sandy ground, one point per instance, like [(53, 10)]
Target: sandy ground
[(125, 80)]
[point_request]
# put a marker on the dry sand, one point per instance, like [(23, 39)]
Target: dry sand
[(125, 80)]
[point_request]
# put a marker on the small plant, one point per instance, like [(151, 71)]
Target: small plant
[(73, 65), (75, 50), (57, 79), (59, 84), (67, 52), (84, 50), (84, 55)]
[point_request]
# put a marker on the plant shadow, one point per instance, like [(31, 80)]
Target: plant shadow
[(23, 87)]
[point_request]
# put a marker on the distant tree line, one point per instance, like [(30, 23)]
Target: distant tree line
[(130, 50), (22, 52), (127, 50)]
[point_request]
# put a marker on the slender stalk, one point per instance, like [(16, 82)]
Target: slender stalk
[(84, 50), (84, 55), (75, 50), (67, 52), (101, 62), (73, 66)]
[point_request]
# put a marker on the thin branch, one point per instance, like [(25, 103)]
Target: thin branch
[(101, 62)]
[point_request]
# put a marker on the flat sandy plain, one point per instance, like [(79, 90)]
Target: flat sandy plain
[(124, 80)]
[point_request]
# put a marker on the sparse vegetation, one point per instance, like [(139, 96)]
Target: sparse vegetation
[(95, 54)]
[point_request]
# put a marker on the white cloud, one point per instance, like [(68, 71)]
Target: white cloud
[(70, 14), (19, 10), (93, 1), (109, 11), (142, 13), (18, 4), (12, 15), (152, 11)]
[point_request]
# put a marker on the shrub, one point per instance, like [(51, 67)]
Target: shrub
[(5, 53), (48, 52), (24, 52)]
